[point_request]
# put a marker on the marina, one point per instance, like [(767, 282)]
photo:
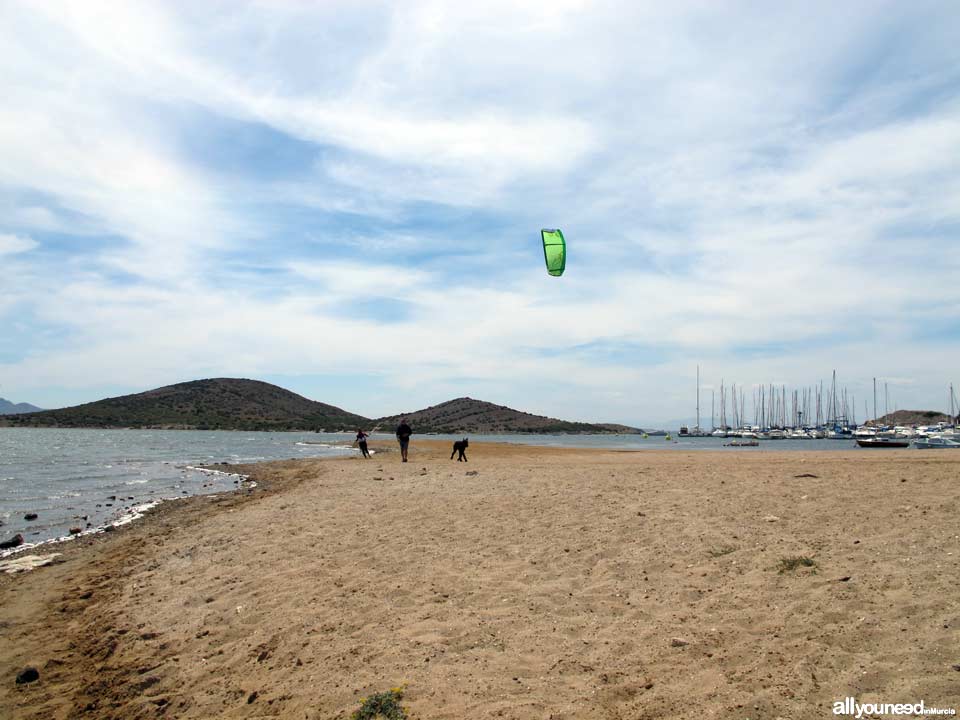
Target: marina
[(779, 415)]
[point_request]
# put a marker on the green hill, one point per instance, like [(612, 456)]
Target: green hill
[(233, 404), (216, 404), (912, 417), (466, 415)]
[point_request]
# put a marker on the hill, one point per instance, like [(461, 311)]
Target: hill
[(9, 408), (216, 404), (911, 417), (466, 415)]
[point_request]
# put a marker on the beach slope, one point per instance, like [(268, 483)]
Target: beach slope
[(528, 583)]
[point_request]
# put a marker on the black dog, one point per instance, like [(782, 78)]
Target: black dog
[(460, 446)]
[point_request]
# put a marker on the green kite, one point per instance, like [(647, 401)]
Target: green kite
[(554, 251)]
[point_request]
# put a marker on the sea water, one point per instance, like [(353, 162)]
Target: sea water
[(88, 479)]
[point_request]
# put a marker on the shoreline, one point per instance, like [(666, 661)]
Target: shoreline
[(129, 514), (122, 515), (83, 580), (344, 445), (492, 594)]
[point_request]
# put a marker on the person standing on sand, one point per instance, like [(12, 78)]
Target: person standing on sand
[(362, 442), (403, 435)]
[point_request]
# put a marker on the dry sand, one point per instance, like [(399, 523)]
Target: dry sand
[(530, 583)]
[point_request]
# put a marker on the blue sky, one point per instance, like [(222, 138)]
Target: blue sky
[(345, 199)]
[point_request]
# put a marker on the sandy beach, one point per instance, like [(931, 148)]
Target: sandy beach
[(529, 583)]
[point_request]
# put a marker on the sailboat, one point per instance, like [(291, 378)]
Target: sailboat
[(882, 442), (696, 430)]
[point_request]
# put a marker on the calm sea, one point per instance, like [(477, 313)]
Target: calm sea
[(91, 478)]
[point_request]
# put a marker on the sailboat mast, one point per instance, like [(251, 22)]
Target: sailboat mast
[(698, 398), (820, 405), (833, 398)]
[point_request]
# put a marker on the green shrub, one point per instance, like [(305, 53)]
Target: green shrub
[(385, 704)]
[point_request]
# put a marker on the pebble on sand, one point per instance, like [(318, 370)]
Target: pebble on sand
[(13, 542), (28, 675)]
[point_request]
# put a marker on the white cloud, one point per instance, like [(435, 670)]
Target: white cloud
[(355, 281), (12, 244)]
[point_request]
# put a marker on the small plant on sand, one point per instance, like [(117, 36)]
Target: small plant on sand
[(789, 564), (721, 551), (382, 705)]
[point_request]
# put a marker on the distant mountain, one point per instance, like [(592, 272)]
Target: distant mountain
[(234, 404), (911, 417), (466, 415), (9, 408), (216, 404)]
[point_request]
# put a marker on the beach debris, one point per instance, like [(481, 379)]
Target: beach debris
[(252, 696), (788, 564), (26, 562), (28, 675), (473, 472), (770, 518), (678, 642), (721, 551), (76, 530), (30, 516), (809, 475), (13, 542), (845, 578), (956, 667)]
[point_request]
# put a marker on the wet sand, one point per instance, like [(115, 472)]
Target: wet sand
[(529, 583)]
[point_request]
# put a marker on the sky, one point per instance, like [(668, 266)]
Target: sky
[(345, 199)]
